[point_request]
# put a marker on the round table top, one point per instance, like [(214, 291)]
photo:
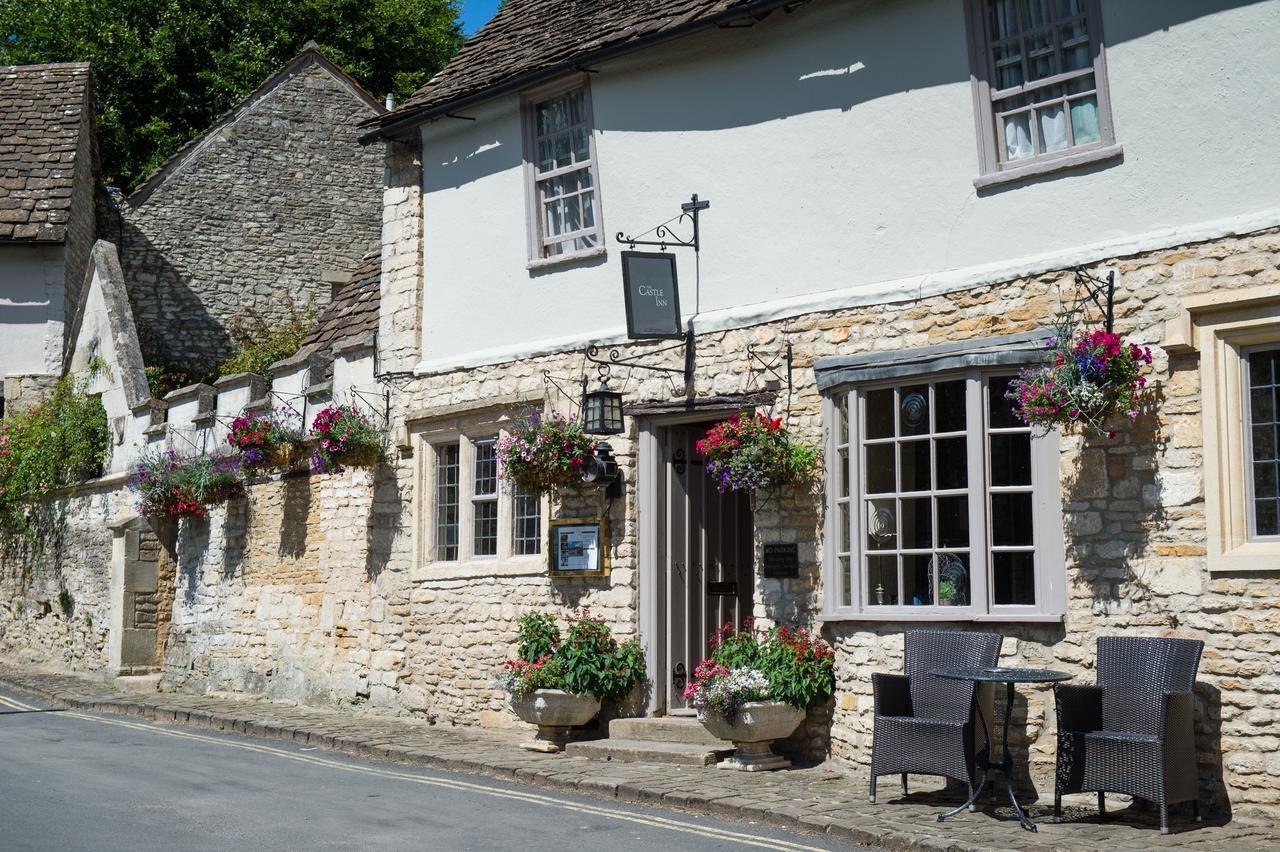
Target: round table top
[(997, 674)]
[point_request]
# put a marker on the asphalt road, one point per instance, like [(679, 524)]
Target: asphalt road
[(81, 781)]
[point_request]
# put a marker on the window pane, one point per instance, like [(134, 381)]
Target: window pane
[(1084, 120), (446, 544), (527, 518), (949, 407), (1264, 442), (485, 525), (842, 474), (842, 528), (588, 200), (840, 428), (953, 579), (880, 413), (1262, 406), (1053, 128), (1262, 375), (1264, 480), (1042, 58), (915, 465), (1013, 579), (846, 584), (880, 469), (953, 521), (1017, 136), (1011, 519), (953, 462), (486, 468), (1267, 517), (913, 410), (917, 523), (882, 580), (882, 525), (1075, 45), (999, 409), (1011, 459), (1004, 19), (917, 579), (1008, 62)]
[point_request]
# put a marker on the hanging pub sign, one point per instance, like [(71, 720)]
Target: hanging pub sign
[(652, 295)]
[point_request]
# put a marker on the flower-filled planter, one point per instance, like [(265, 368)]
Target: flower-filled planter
[(756, 454), (268, 441), (1086, 380), (541, 453), (173, 487), (345, 437), (756, 687), (557, 684)]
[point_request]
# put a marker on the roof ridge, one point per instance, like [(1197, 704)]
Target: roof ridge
[(45, 66)]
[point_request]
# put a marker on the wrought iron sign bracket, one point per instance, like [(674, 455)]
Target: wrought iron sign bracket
[(666, 237), (615, 358), (375, 400), (1096, 290)]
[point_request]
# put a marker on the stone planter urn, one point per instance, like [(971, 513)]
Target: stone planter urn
[(757, 724), (554, 711)]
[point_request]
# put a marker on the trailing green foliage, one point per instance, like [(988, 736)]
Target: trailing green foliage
[(59, 442), (165, 70), (538, 636), (587, 661), (173, 487), (261, 343)]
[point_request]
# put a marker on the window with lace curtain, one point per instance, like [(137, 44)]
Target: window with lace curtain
[(1040, 85), (563, 189)]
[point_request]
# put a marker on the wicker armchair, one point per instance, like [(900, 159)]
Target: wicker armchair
[(1134, 731), (925, 724)]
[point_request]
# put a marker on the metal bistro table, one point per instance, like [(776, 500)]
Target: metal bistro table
[(983, 760)]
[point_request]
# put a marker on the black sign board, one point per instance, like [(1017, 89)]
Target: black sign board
[(781, 560), (653, 296)]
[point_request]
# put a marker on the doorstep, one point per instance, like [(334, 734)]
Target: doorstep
[(818, 799), (655, 739)]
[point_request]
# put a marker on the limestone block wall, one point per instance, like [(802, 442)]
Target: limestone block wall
[(265, 210)]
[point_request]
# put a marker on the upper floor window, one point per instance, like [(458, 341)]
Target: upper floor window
[(563, 186), (941, 504), (1040, 84)]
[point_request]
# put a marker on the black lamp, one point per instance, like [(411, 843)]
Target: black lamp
[(602, 411), (602, 469)]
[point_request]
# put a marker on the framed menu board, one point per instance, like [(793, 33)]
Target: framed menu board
[(578, 547)]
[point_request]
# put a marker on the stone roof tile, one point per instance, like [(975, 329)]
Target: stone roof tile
[(41, 118), (354, 309)]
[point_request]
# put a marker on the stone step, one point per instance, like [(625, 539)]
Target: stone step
[(664, 729), (649, 751)]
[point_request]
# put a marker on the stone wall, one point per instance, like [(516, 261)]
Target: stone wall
[(264, 211), (73, 555)]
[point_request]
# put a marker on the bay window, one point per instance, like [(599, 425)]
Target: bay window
[(942, 505)]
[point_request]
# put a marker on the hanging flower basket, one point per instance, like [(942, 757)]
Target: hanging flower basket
[(268, 442), (345, 437), (172, 487), (756, 454), (1087, 379), (542, 453)]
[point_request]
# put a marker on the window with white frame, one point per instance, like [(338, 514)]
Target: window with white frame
[(472, 516), (564, 189), (941, 503), (1262, 435), (1040, 84)]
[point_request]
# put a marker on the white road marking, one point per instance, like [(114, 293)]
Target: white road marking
[(652, 820)]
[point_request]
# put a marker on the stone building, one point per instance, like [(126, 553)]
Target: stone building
[(265, 212), (48, 172), (878, 250)]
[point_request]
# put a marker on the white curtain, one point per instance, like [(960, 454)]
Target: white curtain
[(1017, 137)]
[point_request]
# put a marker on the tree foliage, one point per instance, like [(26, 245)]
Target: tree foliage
[(167, 69)]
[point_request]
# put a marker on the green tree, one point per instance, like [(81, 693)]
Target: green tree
[(167, 69)]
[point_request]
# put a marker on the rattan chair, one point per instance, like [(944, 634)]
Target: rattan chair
[(1134, 731), (925, 724)]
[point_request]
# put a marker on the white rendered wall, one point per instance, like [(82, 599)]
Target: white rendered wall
[(31, 299), (837, 146)]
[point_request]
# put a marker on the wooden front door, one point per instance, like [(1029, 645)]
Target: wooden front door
[(706, 557)]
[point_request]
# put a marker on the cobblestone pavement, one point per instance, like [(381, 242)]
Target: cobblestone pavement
[(817, 798)]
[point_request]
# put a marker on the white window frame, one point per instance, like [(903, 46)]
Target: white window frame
[(533, 198), (429, 440), (993, 168), (1046, 514)]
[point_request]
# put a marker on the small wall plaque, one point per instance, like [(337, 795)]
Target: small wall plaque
[(578, 547), (652, 295), (781, 560)]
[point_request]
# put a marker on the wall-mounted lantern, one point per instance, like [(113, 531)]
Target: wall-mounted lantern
[(602, 411), (602, 469)]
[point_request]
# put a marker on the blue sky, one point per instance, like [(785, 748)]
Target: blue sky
[(476, 13)]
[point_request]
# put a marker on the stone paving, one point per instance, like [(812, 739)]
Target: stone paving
[(816, 799)]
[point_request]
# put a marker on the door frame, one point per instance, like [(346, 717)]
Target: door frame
[(652, 581)]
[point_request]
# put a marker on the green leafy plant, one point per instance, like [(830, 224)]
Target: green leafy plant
[(63, 440), (756, 454), (261, 342), (174, 487), (588, 660), (947, 590), (799, 668), (540, 453), (65, 602)]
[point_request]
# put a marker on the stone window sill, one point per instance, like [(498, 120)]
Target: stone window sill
[(564, 259), (1045, 167), (938, 617), (514, 566)]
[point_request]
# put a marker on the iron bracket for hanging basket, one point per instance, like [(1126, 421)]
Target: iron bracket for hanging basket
[(1096, 289)]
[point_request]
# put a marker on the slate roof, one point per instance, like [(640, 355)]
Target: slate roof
[(526, 37), (41, 118), (354, 309)]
